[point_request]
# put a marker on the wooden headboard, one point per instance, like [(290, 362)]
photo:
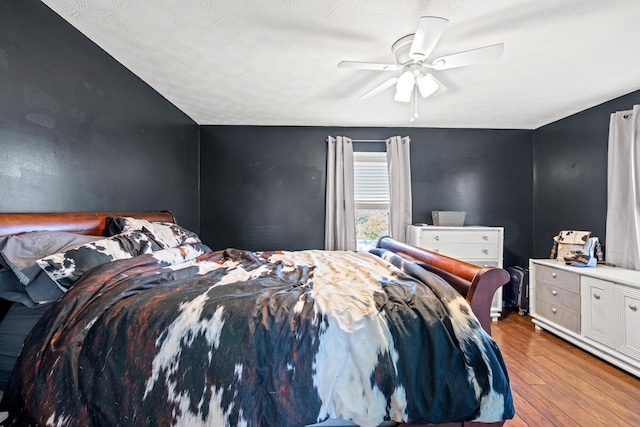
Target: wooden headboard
[(476, 284), (91, 223)]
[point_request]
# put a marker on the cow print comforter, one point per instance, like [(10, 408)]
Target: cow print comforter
[(187, 336)]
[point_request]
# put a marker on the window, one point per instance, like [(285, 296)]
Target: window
[(371, 194)]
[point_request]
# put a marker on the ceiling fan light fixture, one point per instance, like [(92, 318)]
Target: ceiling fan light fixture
[(404, 87), (427, 85), (413, 56)]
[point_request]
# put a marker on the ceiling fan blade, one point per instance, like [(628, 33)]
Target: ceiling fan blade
[(469, 57), (381, 87), (429, 30), (368, 66)]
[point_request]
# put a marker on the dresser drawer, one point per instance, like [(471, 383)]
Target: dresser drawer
[(432, 236), (558, 315), (465, 250), (558, 278), (558, 297), (483, 262)]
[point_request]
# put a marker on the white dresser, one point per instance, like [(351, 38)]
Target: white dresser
[(597, 309), (482, 246)]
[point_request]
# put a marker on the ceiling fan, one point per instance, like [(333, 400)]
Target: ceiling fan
[(412, 54)]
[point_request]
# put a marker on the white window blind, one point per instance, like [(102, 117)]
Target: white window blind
[(371, 180)]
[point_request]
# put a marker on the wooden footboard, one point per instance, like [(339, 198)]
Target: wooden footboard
[(476, 284)]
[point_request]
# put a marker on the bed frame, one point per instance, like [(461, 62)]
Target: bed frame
[(475, 283)]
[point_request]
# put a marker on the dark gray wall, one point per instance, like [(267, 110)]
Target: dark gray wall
[(570, 174), (264, 187), (80, 132), (486, 173)]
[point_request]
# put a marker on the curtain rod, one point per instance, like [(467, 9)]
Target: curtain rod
[(368, 140)]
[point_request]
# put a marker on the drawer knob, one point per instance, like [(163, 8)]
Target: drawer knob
[(554, 275), (485, 251), (554, 293), (596, 296), (633, 307), (436, 237), (554, 310), (485, 237)]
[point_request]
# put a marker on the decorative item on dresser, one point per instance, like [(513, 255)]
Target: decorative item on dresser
[(596, 309), (481, 246)]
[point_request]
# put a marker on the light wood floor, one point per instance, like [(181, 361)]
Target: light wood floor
[(555, 383)]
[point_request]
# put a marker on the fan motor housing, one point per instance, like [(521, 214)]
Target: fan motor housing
[(401, 49)]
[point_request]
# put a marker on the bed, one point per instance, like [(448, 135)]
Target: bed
[(141, 323)]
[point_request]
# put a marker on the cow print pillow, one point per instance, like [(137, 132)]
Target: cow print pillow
[(165, 234), (66, 267), (138, 237)]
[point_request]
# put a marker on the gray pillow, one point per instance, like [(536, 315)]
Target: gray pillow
[(11, 289), (21, 279)]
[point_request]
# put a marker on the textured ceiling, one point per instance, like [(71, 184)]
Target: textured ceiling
[(274, 62)]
